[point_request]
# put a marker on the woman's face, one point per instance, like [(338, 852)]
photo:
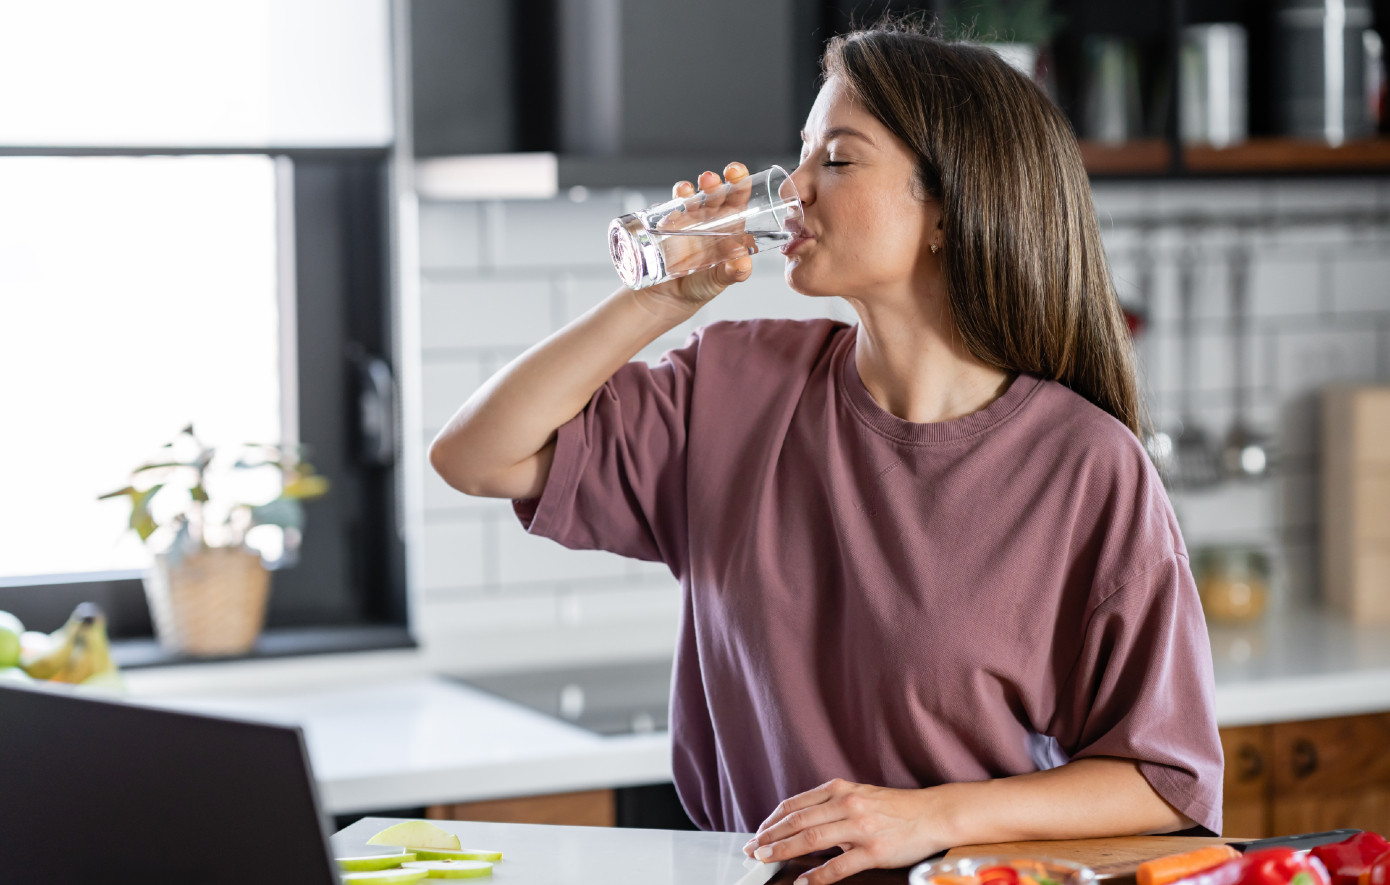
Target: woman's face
[(868, 228)]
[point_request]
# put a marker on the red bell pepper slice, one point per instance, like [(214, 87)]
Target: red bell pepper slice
[(1000, 875), (1348, 859), (1282, 866), (1378, 873)]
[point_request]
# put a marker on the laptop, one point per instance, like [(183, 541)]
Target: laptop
[(101, 791)]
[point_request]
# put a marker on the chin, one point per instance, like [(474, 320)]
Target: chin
[(803, 280)]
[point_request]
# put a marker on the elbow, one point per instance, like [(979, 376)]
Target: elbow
[(448, 465)]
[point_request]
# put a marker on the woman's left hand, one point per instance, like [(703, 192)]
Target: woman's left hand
[(875, 826)]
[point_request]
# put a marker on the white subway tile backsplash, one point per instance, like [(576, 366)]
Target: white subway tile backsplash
[(450, 235), (1233, 513), (527, 559), (446, 386), (1314, 357), (454, 554), (1325, 195), (485, 313), (558, 233), (1283, 287), (1361, 282), (645, 603)]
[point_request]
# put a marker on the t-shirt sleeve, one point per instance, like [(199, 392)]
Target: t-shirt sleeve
[(1143, 689), (618, 480)]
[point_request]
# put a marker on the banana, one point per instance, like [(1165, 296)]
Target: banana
[(48, 662), (79, 651)]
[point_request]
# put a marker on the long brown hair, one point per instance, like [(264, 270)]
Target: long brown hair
[(1028, 286)]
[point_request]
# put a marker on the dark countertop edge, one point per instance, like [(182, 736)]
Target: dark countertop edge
[(134, 654)]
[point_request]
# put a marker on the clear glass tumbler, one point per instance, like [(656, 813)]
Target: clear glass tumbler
[(692, 233)]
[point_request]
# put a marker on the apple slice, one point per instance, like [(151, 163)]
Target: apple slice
[(384, 877), (366, 862), (452, 869), (461, 854), (415, 834)]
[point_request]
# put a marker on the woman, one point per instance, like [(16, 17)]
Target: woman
[(934, 593)]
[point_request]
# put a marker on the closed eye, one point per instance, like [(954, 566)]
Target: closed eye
[(834, 163)]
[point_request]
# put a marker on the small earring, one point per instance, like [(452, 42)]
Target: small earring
[(934, 247)]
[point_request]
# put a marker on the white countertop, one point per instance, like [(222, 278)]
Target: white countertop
[(383, 732), (532, 855)]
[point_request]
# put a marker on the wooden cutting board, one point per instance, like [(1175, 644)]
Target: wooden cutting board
[(1114, 860)]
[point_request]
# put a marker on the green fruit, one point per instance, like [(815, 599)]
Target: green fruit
[(452, 869), (15, 674), (461, 854), (415, 834), (373, 861), (9, 647), (384, 877)]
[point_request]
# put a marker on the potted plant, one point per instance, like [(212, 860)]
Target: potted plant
[(208, 587)]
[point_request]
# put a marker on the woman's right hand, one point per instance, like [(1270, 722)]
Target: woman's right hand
[(685, 295)]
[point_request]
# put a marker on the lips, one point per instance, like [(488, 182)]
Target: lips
[(801, 236)]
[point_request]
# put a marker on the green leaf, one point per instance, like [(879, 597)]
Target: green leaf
[(128, 491), (284, 512), (307, 487), (156, 466), (199, 494)]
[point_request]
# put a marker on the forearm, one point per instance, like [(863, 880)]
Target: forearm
[(1083, 799), (497, 444)]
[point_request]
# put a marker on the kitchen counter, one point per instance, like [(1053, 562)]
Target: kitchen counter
[(534, 854), (1300, 665), (385, 732)]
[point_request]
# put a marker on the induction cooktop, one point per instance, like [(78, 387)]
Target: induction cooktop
[(630, 698)]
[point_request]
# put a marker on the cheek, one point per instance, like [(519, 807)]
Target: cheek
[(867, 240)]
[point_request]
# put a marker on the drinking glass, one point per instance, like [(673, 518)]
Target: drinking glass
[(711, 227)]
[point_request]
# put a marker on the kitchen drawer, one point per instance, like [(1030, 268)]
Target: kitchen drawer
[(1332, 773), (1247, 782)]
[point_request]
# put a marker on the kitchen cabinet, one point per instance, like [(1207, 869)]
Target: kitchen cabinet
[(1299, 777), (587, 808)]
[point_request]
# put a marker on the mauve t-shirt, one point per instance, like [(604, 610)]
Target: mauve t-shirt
[(886, 602)]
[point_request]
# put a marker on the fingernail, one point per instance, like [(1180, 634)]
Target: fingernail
[(801, 881), (763, 853)]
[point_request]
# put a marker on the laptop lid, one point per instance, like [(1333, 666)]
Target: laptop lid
[(102, 791)]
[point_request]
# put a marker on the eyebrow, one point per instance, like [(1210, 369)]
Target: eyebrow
[(842, 130)]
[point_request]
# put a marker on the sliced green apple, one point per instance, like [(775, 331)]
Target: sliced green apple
[(452, 869), (374, 861), (460, 854), (415, 834), (384, 877)]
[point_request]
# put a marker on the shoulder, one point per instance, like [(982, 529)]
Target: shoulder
[(760, 350), (775, 339), (1113, 481)]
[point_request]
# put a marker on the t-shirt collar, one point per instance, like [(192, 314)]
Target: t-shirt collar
[(875, 416)]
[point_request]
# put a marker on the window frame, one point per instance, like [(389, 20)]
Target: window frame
[(335, 211)]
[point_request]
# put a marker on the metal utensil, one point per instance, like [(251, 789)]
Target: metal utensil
[(1246, 452), (1194, 459), (1301, 842)]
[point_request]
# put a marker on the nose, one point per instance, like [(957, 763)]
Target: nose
[(804, 182)]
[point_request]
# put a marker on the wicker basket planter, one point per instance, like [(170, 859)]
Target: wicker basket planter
[(211, 604)]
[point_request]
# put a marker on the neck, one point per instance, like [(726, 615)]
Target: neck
[(914, 363)]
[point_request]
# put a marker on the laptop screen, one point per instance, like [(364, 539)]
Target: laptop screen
[(107, 792)]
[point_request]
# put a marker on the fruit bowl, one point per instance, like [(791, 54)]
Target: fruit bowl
[(1025, 871)]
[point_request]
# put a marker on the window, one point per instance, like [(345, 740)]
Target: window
[(140, 295), (193, 227)]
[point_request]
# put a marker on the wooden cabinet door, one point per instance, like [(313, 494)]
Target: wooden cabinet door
[(1332, 773), (1247, 783)]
